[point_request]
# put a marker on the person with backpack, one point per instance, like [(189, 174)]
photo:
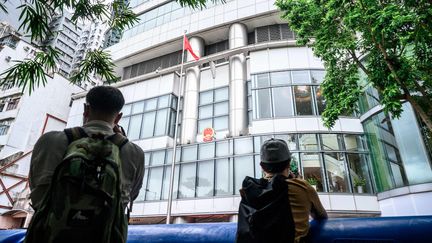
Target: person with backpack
[(83, 180), (276, 208)]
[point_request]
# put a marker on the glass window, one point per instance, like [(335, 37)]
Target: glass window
[(243, 146), (187, 180), (205, 178), (169, 152), (126, 109), (321, 104), (295, 164), (312, 169), (153, 191), (258, 170), (353, 142), (148, 124), (151, 104), (330, 142), (166, 182), (280, 78), (138, 107), (222, 148), (158, 158), (221, 94), (263, 103), (206, 151), (300, 77), (224, 177), (336, 173), (203, 124), (206, 97), (303, 100), (134, 127), (189, 153), (221, 123), (221, 109), (161, 122), (142, 192), (243, 166), (308, 142), (359, 172), (206, 111), (261, 80), (257, 144), (317, 76), (290, 139), (163, 101), (282, 101), (124, 122), (147, 158)]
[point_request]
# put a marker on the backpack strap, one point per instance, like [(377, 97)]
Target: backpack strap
[(75, 133), (118, 140)]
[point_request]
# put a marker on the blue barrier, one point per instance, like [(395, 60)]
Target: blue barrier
[(359, 230)]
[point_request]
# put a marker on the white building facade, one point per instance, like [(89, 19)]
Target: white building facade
[(23, 119), (263, 85)]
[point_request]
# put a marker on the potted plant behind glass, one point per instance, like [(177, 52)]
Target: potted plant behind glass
[(359, 183), (313, 182)]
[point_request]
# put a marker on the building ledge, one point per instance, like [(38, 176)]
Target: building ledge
[(420, 188)]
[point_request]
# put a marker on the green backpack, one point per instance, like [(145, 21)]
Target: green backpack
[(83, 203)]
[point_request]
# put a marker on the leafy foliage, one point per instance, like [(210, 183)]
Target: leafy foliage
[(36, 16), (390, 42)]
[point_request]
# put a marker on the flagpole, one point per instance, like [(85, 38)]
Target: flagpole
[(174, 153)]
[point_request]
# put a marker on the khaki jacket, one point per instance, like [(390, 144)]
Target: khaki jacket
[(49, 150)]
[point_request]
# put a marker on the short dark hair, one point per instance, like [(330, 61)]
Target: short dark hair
[(105, 99), (275, 167)]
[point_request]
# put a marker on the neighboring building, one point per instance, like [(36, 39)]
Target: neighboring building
[(111, 37), (23, 118), (65, 41), (92, 38)]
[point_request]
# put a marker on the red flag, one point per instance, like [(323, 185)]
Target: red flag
[(188, 47)]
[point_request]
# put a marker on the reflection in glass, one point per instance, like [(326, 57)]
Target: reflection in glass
[(280, 78), (282, 101), (317, 76), (189, 153), (359, 171), (187, 180), (205, 111), (303, 100), (300, 77), (161, 122), (353, 142), (261, 80), (138, 107), (308, 142), (312, 169), (206, 97), (158, 158), (220, 123), (153, 191), (151, 104), (290, 139), (205, 179), (148, 124), (221, 94), (224, 177), (206, 151), (243, 146), (134, 127), (330, 142), (243, 166), (263, 103), (166, 182), (336, 173), (321, 104)]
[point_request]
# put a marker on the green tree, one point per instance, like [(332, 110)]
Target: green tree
[(36, 16), (390, 41)]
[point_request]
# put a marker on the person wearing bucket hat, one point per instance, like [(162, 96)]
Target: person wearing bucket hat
[(292, 214)]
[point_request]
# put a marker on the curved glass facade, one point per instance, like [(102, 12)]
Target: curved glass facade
[(218, 168)]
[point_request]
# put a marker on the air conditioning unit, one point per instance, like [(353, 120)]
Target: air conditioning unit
[(8, 58)]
